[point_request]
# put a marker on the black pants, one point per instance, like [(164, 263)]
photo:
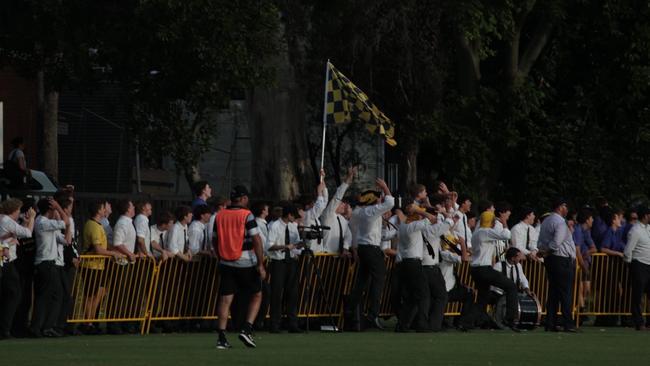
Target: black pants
[(396, 290), (486, 276), (435, 298), (465, 295), (413, 284), (11, 296), (48, 296), (284, 286), (66, 275), (640, 278), (560, 272), (372, 273), (25, 268)]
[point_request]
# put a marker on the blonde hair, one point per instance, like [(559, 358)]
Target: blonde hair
[(10, 206)]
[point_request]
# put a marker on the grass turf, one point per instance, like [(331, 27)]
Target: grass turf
[(593, 346)]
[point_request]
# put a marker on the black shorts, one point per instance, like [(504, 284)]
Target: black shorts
[(93, 279), (232, 279)]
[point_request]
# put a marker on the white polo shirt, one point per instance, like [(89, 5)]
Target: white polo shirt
[(124, 233)]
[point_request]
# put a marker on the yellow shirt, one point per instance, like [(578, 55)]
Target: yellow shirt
[(94, 234)]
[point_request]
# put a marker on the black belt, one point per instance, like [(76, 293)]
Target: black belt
[(285, 260), (411, 259), (430, 266)]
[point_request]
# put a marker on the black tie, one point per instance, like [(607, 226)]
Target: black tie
[(528, 239), (205, 238), (287, 252), (340, 234), (187, 243), (162, 245), (465, 226), (430, 250), (512, 274)]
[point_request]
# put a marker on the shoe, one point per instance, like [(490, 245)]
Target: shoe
[(5, 335), (570, 330), (223, 344), (513, 327), (34, 334), (51, 333), (376, 323), (552, 329), (247, 339), (401, 329)]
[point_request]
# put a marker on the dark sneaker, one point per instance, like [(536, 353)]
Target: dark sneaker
[(247, 339), (223, 344)]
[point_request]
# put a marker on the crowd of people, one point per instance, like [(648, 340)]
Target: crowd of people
[(428, 233)]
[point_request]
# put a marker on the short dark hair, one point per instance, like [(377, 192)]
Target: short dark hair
[(122, 206), (140, 205), (463, 198), (199, 186), (64, 202), (63, 194), (558, 202), (501, 207), (201, 210), (306, 199), (94, 206), (181, 212), (609, 215), (164, 217), (290, 210), (258, 207), (524, 212), (438, 199), (584, 214), (415, 189), (512, 252), (484, 205), (629, 212), (43, 205), (17, 141), (215, 201)]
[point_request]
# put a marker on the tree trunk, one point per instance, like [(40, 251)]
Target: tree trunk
[(410, 167), (50, 134)]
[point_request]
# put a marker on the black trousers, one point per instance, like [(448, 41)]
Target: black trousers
[(284, 289), (66, 275), (48, 296), (640, 278), (464, 295), (435, 298), (396, 290), (25, 268), (486, 276), (560, 272), (371, 275), (11, 296), (415, 292)]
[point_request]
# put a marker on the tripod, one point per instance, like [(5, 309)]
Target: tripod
[(309, 266)]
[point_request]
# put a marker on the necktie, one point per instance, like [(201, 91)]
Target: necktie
[(512, 273), (341, 235), (528, 239), (162, 245), (465, 226), (287, 252), (430, 250), (187, 244), (205, 238)]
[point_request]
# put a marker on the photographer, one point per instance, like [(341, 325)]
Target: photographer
[(283, 239), (313, 208)]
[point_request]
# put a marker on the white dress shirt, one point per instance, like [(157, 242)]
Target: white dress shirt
[(447, 261), (47, 233), (276, 237), (388, 232), (339, 230), (158, 236), (60, 260), (638, 244), (141, 223), (329, 218), (410, 238), (311, 217), (176, 238), (501, 245), (432, 235), (196, 236), (11, 227), (263, 226), (124, 233), (484, 245), (514, 273), (462, 229), (524, 238), (210, 228), (366, 222)]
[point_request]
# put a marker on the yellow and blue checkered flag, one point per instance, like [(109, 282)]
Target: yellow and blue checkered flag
[(345, 103)]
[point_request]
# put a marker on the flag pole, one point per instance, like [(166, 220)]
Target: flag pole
[(322, 153)]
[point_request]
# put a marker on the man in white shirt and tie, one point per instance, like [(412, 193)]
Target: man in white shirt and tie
[(334, 240), (524, 235), (159, 235), (511, 268), (124, 232), (177, 237), (313, 208), (366, 223), (197, 235), (462, 229), (142, 231), (637, 253), (283, 239)]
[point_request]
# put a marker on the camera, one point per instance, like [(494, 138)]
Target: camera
[(313, 232)]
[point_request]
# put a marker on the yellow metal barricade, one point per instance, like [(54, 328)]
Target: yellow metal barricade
[(611, 291), (327, 276), (185, 290), (107, 291)]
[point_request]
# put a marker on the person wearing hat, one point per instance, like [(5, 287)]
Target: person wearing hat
[(556, 241), (483, 252), (366, 225), (283, 239), (241, 263), (637, 253)]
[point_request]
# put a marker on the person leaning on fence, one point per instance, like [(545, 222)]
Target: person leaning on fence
[(585, 247), (124, 235), (47, 282), (10, 232), (197, 235), (96, 243), (142, 230), (556, 242), (177, 238), (366, 243), (637, 253), (612, 243), (524, 236), (159, 230), (241, 264)]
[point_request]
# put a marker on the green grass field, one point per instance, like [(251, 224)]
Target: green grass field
[(593, 346)]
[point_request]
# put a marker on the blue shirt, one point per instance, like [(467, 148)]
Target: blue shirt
[(598, 231), (613, 240), (582, 238), (198, 201)]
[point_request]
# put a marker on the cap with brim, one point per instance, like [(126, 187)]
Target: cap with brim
[(368, 197)]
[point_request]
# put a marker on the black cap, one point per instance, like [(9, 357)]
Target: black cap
[(238, 192)]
